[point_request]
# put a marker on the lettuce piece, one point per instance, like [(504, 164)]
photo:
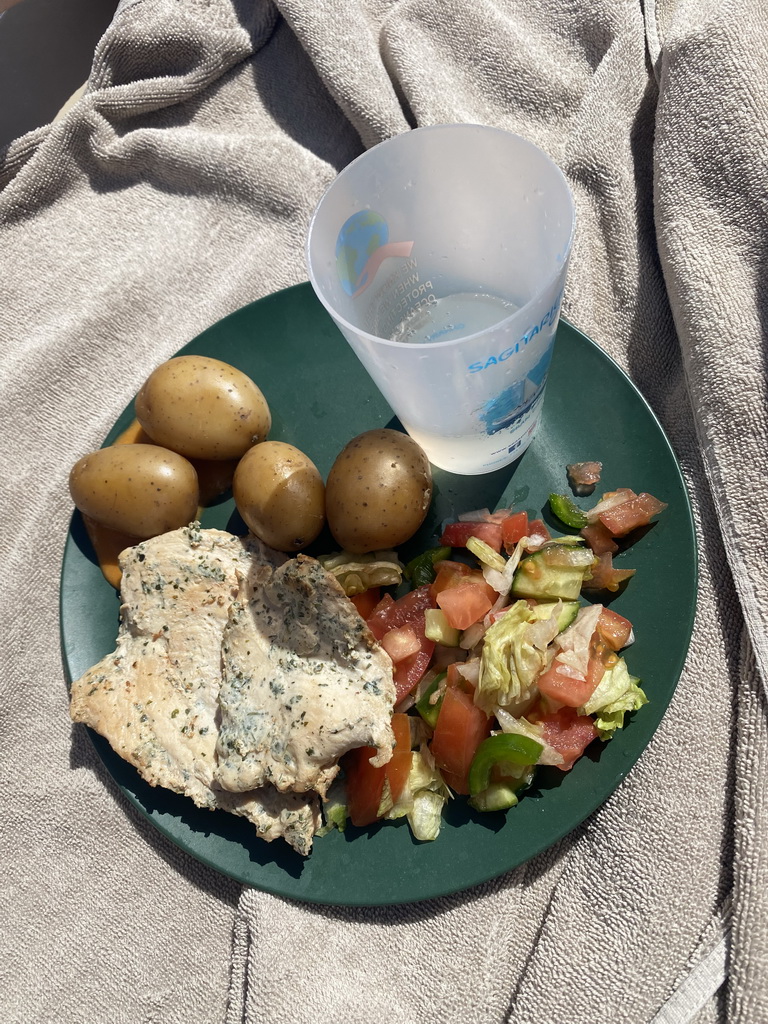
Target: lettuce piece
[(335, 811), (510, 662), (574, 642), (616, 693), (422, 800)]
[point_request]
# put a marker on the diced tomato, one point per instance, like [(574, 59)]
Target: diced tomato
[(599, 539), (455, 678), (389, 614), (454, 574), (460, 729), (398, 768), (564, 684), (409, 671), (514, 529), (605, 577), (464, 604), (379, 610), (614, 629), (569, 733), (406, 611), (365, 785), (498, 517), (538, 531), (365, 782), (400, 642), (448, 574), (584, 475), (456, 535), (367, 601), (638, 511)]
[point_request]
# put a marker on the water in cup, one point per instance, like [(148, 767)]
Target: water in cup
[(453, 316)]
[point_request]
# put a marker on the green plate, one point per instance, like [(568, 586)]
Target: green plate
[(320, 397)]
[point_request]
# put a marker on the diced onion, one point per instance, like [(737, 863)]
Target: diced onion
[(610, 500), (470, 671), (472, 636), (480, 515)]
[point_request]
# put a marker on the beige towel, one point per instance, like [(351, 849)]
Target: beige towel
[(179, 188)]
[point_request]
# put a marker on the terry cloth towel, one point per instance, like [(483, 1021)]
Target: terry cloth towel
[(178, 188)]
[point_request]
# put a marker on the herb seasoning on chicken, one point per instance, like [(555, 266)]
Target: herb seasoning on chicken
[(155, 698), (304, 681)]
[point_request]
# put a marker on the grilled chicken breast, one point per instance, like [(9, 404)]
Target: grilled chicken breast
[(303, 681), (155, 698)]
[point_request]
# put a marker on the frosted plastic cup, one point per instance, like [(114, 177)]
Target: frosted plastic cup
[(441, 254)]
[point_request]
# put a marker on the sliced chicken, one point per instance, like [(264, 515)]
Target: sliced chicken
[(304, 681), (155, 697)]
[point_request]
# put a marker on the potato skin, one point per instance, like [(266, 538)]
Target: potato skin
[(138, 489), (280, 494), (202, 408), (378, 491)]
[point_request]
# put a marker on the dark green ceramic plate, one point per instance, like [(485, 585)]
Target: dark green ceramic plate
[(320, 397)]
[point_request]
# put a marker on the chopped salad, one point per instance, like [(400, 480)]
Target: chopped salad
[(498, 665)]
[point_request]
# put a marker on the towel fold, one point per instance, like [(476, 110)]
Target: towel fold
[(178, 188)]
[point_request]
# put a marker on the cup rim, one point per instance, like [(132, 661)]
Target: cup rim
[(549, 281)]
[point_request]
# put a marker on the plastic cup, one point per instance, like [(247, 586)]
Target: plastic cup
[(441, 255)]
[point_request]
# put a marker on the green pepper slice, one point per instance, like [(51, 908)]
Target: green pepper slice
[(428, 711), (421, 569), (567, 512), (506, 747)]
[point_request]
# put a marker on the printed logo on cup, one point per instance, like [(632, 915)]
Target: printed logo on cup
[(512, 404), (362, 246)]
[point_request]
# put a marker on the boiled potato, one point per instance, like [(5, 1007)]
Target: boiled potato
[(279, 493), (202, 408), (378, 491), (138, 489)]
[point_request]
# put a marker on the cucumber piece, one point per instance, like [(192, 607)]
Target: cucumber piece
[(554, 572), (497, 797), (437, 628), (568, 612)]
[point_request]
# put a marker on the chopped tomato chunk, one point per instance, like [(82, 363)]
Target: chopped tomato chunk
[(569, 733), (460, 729), (614, 629), (605, 577), (564, 684), (398, 768), (367, 601), (454, 574), (456, 535), (599, 539), (638, 511), (390, 613), (400, 642), (538, 531), (514, 529), (411, 668), (455, 678), (464, 604), (365, 782), (365, 785), (584, 475)]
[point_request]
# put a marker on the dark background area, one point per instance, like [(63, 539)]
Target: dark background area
[(46, 51)]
